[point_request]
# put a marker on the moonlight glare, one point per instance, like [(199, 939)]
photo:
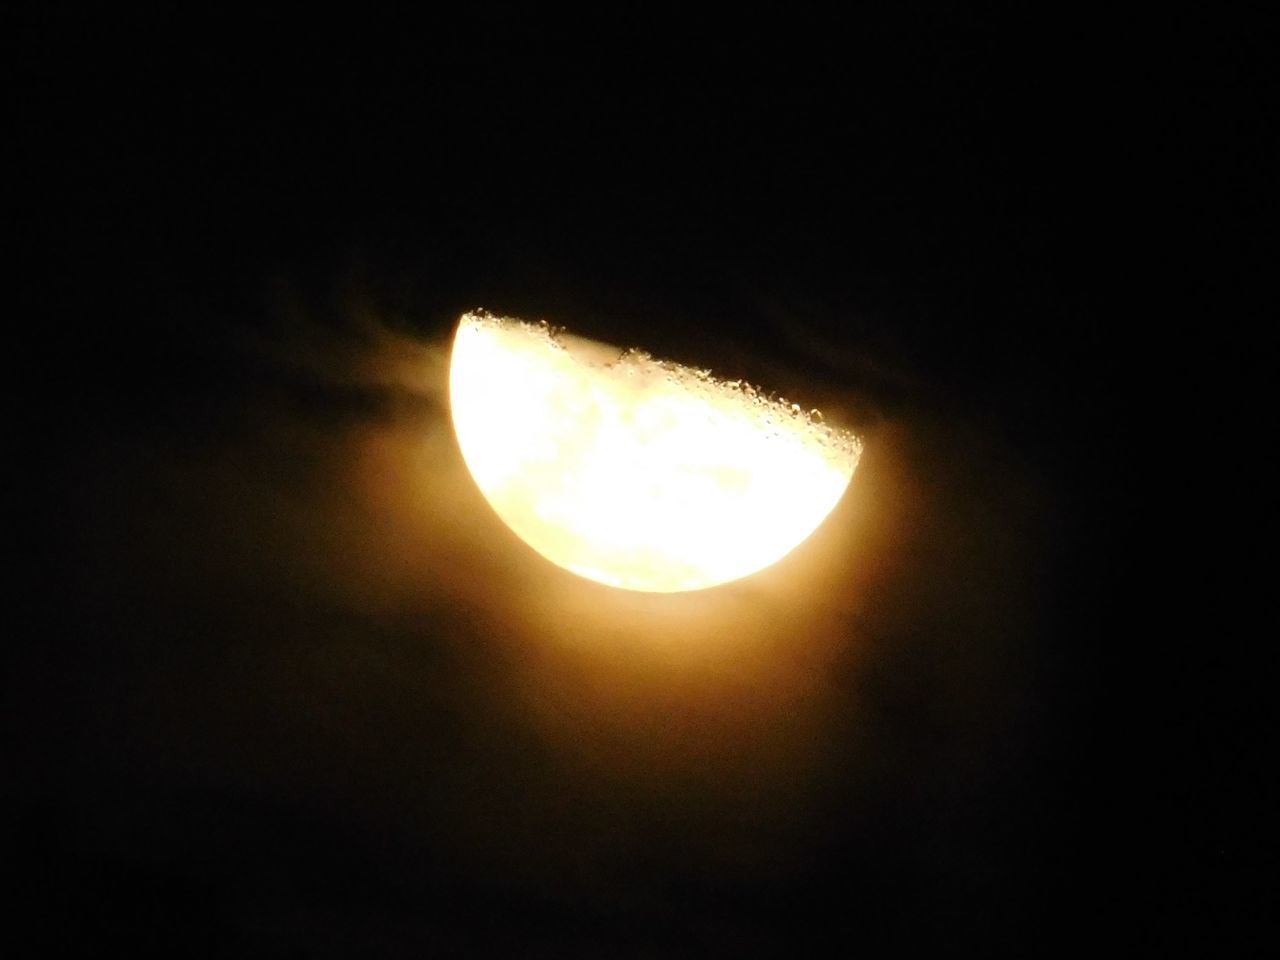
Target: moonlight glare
[(636, 472)]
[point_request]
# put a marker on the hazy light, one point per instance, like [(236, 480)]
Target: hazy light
[(637, 472)]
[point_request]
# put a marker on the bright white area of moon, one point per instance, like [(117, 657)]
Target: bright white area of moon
[(636, 472)]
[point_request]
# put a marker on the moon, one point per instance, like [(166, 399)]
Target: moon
[(632, 471)]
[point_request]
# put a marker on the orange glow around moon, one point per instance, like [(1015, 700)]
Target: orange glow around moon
[(639, 473)]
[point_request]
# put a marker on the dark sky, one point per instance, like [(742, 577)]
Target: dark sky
[(282, 685)]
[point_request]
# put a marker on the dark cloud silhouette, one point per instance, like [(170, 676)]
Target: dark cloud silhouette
[(313, 611)]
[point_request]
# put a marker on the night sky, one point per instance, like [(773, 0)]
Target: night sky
[(279, 682)]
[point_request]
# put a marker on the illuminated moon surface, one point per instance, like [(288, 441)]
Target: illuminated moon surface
[(636, 472)]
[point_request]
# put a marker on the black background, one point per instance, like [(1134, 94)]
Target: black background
[(1040, 238)]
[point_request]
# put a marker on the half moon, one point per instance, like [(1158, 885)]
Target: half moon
[(635, 472)]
